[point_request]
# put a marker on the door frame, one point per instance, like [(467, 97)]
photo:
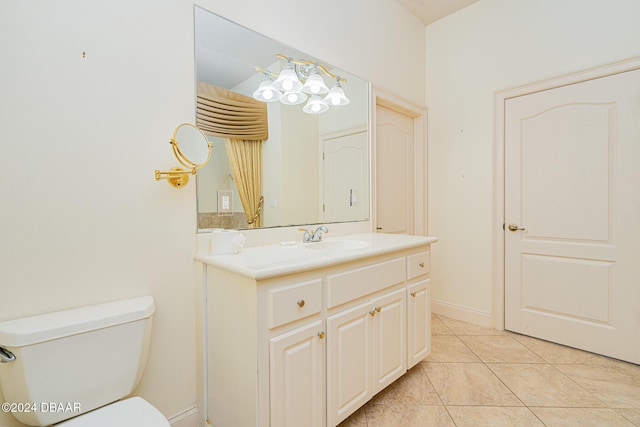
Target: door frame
[(419, 115), (499, 162)]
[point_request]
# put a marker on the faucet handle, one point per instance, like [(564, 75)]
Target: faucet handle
[(306, 237)]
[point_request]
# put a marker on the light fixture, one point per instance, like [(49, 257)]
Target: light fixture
[(288, 81), (336, 95), (315, 105), (314, 84), (293, 98), (299, 78), (267, 92)]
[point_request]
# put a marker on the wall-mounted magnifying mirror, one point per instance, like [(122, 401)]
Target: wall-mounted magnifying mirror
[(192, 149)]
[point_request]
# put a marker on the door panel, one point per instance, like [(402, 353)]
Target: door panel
[(394, 172), (346, 178), (349, 349), (572, 189)]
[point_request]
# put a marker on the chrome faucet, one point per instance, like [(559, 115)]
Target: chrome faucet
[(313, 236)]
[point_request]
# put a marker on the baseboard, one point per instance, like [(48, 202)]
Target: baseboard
[(459, 312), (187, 418)]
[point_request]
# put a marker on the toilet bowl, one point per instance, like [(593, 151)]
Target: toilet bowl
[(132, 412), (74, 366)]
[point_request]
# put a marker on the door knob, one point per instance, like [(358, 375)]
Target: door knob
[(514, 227)]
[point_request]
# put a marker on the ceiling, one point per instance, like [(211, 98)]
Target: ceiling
[(429, 11)]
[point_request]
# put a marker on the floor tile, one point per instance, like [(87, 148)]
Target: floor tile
[(617, 386), (556, 353), (543, 385), (500, 349), (492, 416), (407, 416), (438, 327), (449, 348), (468, 384), (583, 417), (459, 327), (633, 415), (414, 388), (476, 376)]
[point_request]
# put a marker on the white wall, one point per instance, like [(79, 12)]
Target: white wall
[(82, 220), (491, 46)]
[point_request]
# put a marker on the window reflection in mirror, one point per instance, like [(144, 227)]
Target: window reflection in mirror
[(314, 167)]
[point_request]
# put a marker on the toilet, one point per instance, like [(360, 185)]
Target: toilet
[(71, 368)]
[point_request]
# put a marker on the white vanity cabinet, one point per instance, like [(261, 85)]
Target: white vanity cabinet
[(296, 376), (307, 343), (366, 348)]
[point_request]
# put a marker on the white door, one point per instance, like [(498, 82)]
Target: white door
[(297, 377), (345, 177), (394, 172), (572, 198)]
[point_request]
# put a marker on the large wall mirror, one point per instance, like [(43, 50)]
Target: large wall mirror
[(310, 169)]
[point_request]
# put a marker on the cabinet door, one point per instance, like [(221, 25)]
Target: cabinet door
[(389, 338), (418, 322), (297, 377), (349, 351)]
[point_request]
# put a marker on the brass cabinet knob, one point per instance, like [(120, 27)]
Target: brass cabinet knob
[(372, 313), (413, 294), (421, 265), (321, 335), (378, 309), (300, 303)]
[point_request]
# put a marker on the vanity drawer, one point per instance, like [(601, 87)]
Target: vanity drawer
[(294, 302), (418, 264), (353, 284)]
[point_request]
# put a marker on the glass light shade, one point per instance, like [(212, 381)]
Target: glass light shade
[(315, 85), (293, 98), (266, 92), (336, 96), (315, 105), (288, 81)]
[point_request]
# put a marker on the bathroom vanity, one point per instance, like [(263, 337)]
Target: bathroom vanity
[(305, 334)]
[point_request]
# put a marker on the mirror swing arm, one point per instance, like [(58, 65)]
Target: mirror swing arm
[(195, 142)]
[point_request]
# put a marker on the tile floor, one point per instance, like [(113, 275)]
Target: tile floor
[(477, 376)]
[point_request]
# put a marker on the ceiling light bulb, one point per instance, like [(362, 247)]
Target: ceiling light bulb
[(287, 85), (336, 96), (315, 105), (267, 94), (315, 85)]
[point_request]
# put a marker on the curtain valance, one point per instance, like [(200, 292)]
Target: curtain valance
[(227, 114)]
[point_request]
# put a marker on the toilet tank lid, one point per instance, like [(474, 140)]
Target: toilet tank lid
[(50, 326)]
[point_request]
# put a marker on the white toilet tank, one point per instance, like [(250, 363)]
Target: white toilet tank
[(70, 362)]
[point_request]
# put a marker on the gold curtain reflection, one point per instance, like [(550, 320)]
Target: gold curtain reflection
[(245, 159), (228, 114)]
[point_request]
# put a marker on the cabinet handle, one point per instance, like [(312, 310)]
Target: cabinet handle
[(413, 294), (378, 309), (372, 313), (300, 303), (321, 335), (421, 265)]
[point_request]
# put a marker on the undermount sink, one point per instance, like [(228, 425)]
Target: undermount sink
[(337, 245)]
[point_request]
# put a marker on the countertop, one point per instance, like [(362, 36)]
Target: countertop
[(263, 262)]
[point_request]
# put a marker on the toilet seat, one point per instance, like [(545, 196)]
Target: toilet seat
[(132, 412)]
